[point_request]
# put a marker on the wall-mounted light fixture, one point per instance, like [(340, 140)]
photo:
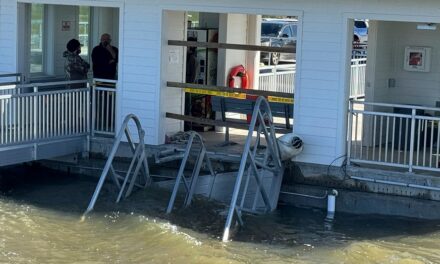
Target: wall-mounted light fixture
[(427, 26)]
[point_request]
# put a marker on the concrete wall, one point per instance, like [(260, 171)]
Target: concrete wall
[(323, 57)]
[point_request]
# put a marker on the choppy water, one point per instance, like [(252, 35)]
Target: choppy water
[(40, 223)]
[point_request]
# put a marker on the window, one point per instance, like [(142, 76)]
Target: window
[(37, 25), (294, 30), (269, 29), (84, 29), (286, 32), (360, 24)]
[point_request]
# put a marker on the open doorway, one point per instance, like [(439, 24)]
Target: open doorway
[(45, 29), (397, 122), (216, 65)]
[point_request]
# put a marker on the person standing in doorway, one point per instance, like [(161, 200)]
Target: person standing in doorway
[(105, 59), (75, 67)]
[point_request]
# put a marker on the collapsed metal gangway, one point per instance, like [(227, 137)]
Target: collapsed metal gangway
[(139, 165), (257, 181)]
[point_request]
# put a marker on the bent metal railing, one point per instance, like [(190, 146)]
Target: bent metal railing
[(250, 166), (195, 144), (139, 163), (395, 135), (36, 112)]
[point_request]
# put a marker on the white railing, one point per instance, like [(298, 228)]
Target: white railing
[(394, 135), (9, 81), (49, 111), (357, 80), (279, 78), (103, 106)]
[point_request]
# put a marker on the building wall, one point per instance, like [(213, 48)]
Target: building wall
[(173, 70), (323, 57), (410, 87), (8, 36)]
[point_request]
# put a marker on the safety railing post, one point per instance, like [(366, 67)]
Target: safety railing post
[(350, 130), (93, 119), (35, 114), (412, 139)]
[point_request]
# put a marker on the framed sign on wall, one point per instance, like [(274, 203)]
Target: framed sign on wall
[(417, 59)]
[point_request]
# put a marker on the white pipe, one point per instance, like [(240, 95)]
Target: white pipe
[(331, 205), (409, 185)]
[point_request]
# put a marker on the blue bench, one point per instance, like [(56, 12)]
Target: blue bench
[(246, 106)]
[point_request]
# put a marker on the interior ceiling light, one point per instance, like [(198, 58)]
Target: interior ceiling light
[(427, 26)]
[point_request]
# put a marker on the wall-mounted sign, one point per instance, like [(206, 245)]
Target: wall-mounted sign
[(65, 25), (417, 59)]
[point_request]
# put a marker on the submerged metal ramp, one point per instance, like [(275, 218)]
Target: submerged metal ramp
[(253, 169), (195, 147), (254, 188), (138, 162), (43, 120)]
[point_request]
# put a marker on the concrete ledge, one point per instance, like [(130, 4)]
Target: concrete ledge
[(364, 203)]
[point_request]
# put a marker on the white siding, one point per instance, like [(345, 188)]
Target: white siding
[(8, 36), (320, 104), (140, 60)]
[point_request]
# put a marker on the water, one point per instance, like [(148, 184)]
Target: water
[(40, 223)]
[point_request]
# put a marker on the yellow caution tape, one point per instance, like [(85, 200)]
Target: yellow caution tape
[(277, 99), (216, 93), (241, 96)]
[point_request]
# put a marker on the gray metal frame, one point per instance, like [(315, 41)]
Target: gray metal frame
[(262, 123), (190, 183), (138, 162)]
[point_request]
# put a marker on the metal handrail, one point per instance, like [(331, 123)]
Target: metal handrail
[(138, 155), (104, 107), (46, 85), (65, 91), (248, 161), (408, 140), (201, 156), (408, 106)]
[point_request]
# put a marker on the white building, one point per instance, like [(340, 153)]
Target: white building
[(141, 30)]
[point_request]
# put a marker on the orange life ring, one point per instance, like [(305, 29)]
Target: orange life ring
[(238, 71)]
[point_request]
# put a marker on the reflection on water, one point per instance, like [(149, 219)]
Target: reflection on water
[(40, 212)]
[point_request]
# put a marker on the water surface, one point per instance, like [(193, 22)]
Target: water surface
[(40, 223)]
